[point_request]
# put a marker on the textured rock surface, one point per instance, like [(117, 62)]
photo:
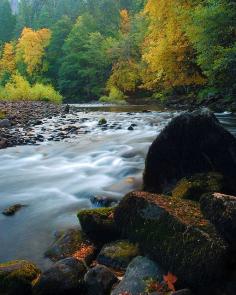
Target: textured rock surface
[(221, 211), (99, 280), (175, 234), (64, 277), (194, 187), (69, 244), (99, 224), (17, 277), (191, 143), (140, 269), (118, 254)]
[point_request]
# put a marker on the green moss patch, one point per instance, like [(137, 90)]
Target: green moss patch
[(17, 277), (118, 254), (99, 223), (194, 187)]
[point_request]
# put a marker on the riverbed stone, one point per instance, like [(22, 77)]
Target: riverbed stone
[(5, 123), (195, 186), (175, 234), (118, 254), (12, 210), (191, 143), (99, 280), (17, 277), (139, 270), (220, 209), (99, 224), (64, 277), (71, 243)]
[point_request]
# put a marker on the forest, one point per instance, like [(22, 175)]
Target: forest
[(110, 50)]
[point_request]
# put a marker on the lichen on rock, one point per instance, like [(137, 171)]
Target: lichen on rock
[(17, 277)]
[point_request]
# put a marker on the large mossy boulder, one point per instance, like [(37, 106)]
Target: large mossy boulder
[(195, 186), (17, 277), (220, 209), (118, 254), (99, 224), (191, 143), (175, 234), (71, 243)]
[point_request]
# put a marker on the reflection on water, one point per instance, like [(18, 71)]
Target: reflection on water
[(57, 179)]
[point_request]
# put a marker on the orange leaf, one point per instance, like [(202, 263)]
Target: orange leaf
[(170, 280)]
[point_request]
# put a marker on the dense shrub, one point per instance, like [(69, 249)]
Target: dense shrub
[(115, 96)]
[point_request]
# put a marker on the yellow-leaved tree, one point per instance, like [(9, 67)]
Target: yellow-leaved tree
[(31, 48), (167, 52), (8, 61)]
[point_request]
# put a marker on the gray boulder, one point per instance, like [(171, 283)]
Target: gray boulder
[(99, 280), (138, 270), (64, 277), (5, 123)]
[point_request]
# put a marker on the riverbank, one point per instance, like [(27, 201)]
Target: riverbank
[(18, 118)]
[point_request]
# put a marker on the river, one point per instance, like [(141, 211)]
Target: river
[(56, 179)]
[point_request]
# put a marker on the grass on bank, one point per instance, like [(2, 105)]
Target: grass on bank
[(19, 88)]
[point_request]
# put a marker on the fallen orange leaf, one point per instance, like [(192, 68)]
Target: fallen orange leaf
[(170, 280)]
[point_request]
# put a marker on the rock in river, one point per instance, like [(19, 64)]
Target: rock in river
[(175, 234), (64, 277), (191, 143), (221, 211), (137, 272), (17, 277)]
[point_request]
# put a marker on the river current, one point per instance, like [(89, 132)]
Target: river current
[(56, 179)]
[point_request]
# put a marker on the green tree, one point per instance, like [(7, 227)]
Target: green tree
[(7, 22), (85, 67)]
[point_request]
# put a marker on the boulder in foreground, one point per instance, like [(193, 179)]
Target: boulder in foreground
[(191, 143), (175, 234), (220, 209), (139, 270), (17, 277)]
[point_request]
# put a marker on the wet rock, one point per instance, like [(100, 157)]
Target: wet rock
[(10, 211), (221, 211), (17, 277), (99, 280), (175, 234), (99, 224), (67, 109), (103, 201), (3, 143), (118, 254), (102, 121), (194, 187), (137, 272), (130, 128), (182, 292), (191, 143), (71, 243), (64, 277), (5, 123)]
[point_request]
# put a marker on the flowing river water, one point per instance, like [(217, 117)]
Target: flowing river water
[(56, 179)]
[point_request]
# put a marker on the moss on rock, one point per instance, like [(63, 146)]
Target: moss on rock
[(194, 187), (17, 277), (118, 254), (99, 224), (175, 234)]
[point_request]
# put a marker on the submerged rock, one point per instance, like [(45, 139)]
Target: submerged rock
[(99, 280), (17, 277), (139, 270), (191, 143), (99, 224), (194, 187), (118, 254), (10, 211), (71, 243), (102, 121), (175, 234), (64, 277), (221, 211)]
